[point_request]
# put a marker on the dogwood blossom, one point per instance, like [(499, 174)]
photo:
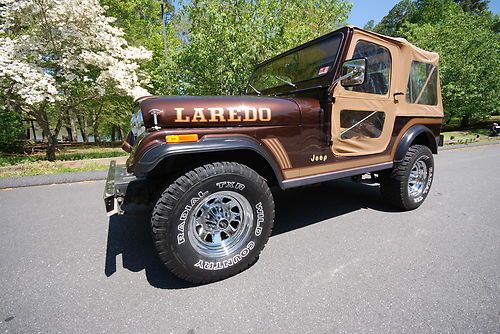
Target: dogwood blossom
[(50, 49)]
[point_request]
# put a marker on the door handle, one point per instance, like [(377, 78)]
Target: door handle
[(397, 94)]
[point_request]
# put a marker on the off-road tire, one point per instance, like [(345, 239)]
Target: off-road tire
[(394, 183), (182, 245)]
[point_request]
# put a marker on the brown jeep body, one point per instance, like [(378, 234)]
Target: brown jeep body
[(292, 136)]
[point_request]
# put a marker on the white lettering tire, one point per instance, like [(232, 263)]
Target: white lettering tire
[(213, 222)]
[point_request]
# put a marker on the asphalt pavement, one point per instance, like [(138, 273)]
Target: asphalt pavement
[(339, 261)]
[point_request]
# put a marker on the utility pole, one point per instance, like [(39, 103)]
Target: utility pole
[(164, 27)]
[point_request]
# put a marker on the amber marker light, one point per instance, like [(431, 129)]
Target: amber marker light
[(173, 139)]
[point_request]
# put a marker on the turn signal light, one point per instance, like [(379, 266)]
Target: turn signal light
[(172, 139)]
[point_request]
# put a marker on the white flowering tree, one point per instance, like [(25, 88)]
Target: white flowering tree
[(56, 55)]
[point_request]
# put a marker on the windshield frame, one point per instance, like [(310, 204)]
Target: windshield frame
[(321, 81)]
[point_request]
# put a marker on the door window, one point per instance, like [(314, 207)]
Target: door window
[(378, 68), (361, 124), (422, 84)]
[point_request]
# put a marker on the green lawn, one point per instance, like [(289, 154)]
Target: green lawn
[(472, 135), (12, 165), (46, 167), (65, 155)]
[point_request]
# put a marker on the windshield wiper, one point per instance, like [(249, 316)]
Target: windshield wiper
[(255, 89), (285, 81)]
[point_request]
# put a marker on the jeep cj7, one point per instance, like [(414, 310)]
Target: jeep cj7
[(349, 103)]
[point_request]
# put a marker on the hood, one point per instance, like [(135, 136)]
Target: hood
[(219, 111)]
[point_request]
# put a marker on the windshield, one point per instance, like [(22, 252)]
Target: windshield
[(310, 62)]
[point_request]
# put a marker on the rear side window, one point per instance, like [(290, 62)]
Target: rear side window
[(378, 68), (422, 84)]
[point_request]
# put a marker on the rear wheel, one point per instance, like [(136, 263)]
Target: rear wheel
[(213, 222), (408, 183)]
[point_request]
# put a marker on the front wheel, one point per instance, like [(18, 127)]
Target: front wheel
[(407, 184), (213, 222)]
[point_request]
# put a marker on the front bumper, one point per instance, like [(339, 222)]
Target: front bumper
[(115, 189)]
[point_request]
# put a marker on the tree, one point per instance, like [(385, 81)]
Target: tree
[(424, 11), (401, 13), (57, 55), (473, 5), (470, 61), (224, 40), (370, 25), (12, 131)]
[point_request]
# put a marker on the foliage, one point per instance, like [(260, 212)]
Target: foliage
[(12, 133), (397, 16), (465, 35), (370, 25), (424, 11), (470, 61), (226, 39), (473, 5), (56, 55)]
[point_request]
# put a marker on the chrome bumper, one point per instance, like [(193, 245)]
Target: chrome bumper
[(116, 187)]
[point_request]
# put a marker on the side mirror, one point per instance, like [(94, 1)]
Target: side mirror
[(353, 72)]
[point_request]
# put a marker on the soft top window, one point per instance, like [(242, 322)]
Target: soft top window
[(378, 68), (422, 84)]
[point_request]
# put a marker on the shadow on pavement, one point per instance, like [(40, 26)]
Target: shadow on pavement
[(129, 235), (297, 208)]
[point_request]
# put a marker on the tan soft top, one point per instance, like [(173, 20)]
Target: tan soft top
[(393, 103), (403, 54), (406, 47)]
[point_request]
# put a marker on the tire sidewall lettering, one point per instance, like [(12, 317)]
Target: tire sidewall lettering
[(218, 265), (185, 214), (190, 257)]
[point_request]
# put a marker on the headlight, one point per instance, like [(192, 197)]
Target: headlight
[(137, 124)]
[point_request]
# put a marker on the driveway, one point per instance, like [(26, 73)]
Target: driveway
[(339, 260)]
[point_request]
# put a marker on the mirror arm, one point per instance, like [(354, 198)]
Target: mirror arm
[(345, 76)]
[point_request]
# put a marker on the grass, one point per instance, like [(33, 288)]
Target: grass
[(45, 167), (13, 165), (69, 154), (472, 135)]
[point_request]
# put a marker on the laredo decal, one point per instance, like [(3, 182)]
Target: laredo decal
[(237, 114)]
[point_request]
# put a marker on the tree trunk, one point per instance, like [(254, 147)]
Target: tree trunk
[(113, 133), (465, 121), (51, 148), (44, 135), (82, 124), (67, 126), (122, 135), (96, 118), (33, 128), (43, 121), (97, 135), (71, 127)]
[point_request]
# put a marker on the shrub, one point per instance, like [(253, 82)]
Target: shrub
[(12, 132)]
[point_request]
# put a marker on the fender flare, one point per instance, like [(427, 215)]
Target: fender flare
[(410, 135), (156, 154)]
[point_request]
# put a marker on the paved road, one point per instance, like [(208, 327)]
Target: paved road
[(339, 261)]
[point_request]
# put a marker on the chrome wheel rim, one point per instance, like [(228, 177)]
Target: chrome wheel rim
[(220, 223), (418, 178)]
